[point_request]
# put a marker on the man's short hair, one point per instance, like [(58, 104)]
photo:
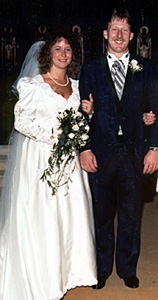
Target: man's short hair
[(121, 13)]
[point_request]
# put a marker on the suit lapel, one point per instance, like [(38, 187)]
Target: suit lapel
[(108, 82), (129, 83), (128, 86)]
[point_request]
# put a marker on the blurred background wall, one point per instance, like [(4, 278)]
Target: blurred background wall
[(23, 22)]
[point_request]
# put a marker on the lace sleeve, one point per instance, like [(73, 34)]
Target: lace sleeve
[(25, 111)]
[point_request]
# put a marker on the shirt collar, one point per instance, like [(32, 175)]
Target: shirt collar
[(124, 57)]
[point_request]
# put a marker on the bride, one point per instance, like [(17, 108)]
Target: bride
[(47, 242)]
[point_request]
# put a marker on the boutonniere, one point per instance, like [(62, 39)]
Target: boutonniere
[(134, 66)]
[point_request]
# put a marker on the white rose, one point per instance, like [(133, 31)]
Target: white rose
[(63, 157), (75, 127), (87, 128), (74, 116), (81, 123), (84, 137), (71, 135), (134, 62), (78, 114)]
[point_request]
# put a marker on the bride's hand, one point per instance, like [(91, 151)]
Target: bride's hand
[(87, 105), (149, 118)]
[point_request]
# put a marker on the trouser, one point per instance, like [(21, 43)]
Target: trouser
[(117, 187)]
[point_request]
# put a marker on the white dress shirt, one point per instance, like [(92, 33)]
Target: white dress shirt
[(111, 59)]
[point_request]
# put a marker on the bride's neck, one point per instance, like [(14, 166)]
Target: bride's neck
[(58, 74)]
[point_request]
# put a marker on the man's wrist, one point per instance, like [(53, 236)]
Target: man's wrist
[(153, 148)]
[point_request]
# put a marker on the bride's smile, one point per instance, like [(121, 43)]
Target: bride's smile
[(61, 53)]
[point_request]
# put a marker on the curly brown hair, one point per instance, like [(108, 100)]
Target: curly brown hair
[(45, 57)]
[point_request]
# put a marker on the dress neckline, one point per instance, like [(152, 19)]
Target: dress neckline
[(66, 99)]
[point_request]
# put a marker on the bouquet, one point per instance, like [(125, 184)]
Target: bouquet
[(72, 135)]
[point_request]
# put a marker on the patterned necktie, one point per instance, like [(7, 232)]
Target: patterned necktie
[(118, 76)]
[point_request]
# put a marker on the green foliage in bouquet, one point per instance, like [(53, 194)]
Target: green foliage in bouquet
[(72, 135)]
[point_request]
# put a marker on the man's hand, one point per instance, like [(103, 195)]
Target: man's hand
[(88, 161), (87, 105), (149, 118), (150, 162)]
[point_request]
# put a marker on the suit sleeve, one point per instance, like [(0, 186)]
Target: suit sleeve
[(85, 83), (153, 103)]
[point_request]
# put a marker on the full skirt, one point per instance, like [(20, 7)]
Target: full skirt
[(47, 242)]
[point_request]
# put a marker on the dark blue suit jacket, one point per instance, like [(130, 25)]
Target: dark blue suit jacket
[(140, 94)]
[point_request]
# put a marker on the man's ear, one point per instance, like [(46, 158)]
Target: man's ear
[(105, 34), (131, 36)]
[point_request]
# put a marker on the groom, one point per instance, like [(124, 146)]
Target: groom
[(119, 152)]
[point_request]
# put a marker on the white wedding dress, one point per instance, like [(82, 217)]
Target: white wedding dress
[(47, 242)]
